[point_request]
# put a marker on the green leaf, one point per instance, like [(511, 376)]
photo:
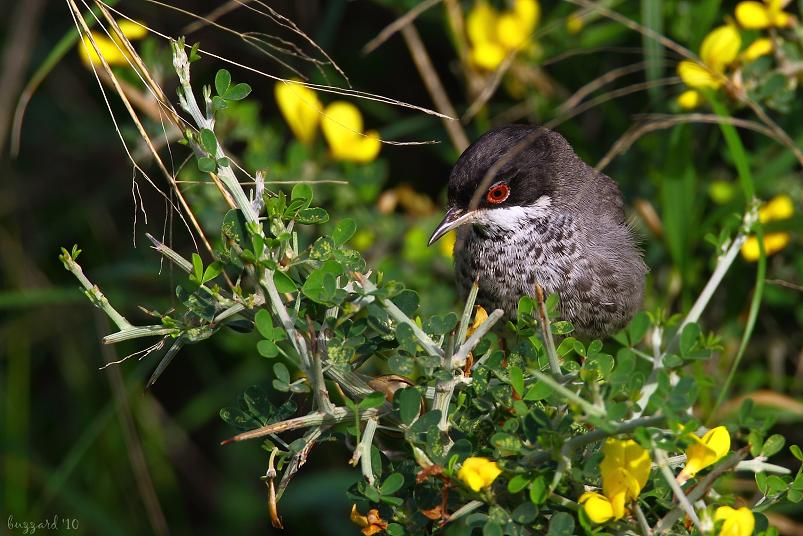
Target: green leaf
[(796, 452), (689, 337), (302, 191), (507, 442), (208, 141), (538, 391), (206, 164), (283, 282), (321, 285), (772, 445), (312, 216), (267, 349), (561, 524), (264, 323), (281, 372), (516, 378), (518, 483), (392, 484), (238, 92), (211, 272), (223, 162), (492, 528), (538, 490), (344, 230), (219, 103), (374, 400), (638, 328), (222, 82), (197, 267), (408, 401)]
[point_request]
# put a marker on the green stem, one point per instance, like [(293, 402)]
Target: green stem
[(745, 177)]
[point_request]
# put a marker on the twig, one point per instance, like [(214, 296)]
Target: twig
[(465, 320), (364, 449), (388, 31), (546, 331), (588, 408), (399, 316), (684, 501), (434, 86), (93, 292), (459, 359), (701, 489), (338, 415)]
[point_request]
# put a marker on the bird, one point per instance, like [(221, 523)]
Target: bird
[(529, 212)]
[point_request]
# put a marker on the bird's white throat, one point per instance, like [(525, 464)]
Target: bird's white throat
[(512, 218)]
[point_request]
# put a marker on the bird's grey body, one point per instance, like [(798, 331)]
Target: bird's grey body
[(561, 225)]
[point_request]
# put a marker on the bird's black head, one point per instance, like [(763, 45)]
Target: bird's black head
[(509, 174)]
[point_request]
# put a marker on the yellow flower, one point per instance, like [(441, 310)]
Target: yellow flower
[(371, 523), (760, 47), (736, 522), (773, 243), (342, 127), (574, 23), (300, 107), (625, 469), (705, 451), (493, 35), (779, 207), (480, 316), (111, 49), (720, 47), (766, 14), (597, 507), (689, 99), (478, 473)]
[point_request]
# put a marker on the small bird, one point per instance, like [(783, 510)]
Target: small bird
[(531, 212)]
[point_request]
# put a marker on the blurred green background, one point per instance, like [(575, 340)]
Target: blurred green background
[(93, 448)]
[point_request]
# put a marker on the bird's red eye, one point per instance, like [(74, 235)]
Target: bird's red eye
[(497, 193)]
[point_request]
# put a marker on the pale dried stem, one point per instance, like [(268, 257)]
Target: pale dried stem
[(434, 86)]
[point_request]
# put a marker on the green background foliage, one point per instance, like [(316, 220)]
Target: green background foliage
[(97, 447)]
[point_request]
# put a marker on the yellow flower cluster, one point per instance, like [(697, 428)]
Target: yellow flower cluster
[(370, 523), (478, 473), (778, 208), (736, 522), (494, 35), (112, 50), (721, 46), (341, 123), (705, 451), (625, 469)]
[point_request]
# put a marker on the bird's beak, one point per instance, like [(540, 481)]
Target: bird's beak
[(455, 217)]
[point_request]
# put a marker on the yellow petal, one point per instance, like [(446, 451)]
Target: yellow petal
[(481, 23), (300, 107), (478, 473), (779, 207), (697, 76), (132, 30), (689, 99), (528, 12), (480, 316), (739, 522), (488, 55), (511, 33), (781, 19), (626, 455), (342, 128), (597, 507), (760, 47), (574, 23), (107, 48), (705, 451), (752, 15), (773, 243), (720, 47)]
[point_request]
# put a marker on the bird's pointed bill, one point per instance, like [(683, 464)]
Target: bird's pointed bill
[(455, 217)]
